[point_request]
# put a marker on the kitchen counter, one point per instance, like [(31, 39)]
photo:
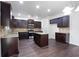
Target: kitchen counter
[(41, 33), (9, 35), (63, 32)]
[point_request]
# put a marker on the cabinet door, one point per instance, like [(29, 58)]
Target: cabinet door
[(0, 14), (66, 21), (37, 24), (13, 47), (60, 37), (60, 22), (54, 21), (5, 14)]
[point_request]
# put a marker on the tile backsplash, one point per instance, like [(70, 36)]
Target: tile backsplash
[(64, 30)]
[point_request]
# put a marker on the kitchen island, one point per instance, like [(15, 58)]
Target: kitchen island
[(9, 44), (41, 39)]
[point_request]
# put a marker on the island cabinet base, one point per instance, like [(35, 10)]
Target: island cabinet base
[(41, 39), (9, 46)]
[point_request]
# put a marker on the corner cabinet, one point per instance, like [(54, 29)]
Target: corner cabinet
[(61, 21)]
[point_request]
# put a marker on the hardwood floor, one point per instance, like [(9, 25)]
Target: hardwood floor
[(27, 48)]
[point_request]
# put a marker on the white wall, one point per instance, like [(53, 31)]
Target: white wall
[(74, 28), (45, 25), (53, 27), (50, 28)]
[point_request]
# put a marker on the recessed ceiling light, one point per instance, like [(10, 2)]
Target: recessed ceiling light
[(48, 10), (19, 14), (77, 9), (37, 6), (21, 2)]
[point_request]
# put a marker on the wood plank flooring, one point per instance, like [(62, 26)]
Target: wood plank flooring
[(27, 48)]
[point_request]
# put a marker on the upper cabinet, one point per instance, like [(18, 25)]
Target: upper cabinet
[(5, 13), (61, 21), (30, 21), (54, 21), (37, 24), (30, 24), (16, 23)]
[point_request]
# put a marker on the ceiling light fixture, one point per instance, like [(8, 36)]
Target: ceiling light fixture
[(48, 10), (77, 9), (21, 2), (67, 10), (67, 13), (37, 6)]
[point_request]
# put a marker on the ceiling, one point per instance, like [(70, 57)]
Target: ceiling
[(29, 7)]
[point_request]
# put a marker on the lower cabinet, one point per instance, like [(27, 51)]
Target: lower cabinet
[(9, 46), (23, 35), (62, 37), (41, 39)]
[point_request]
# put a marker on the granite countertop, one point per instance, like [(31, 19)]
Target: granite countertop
[(63, 32), (10, 35), (41, 33)]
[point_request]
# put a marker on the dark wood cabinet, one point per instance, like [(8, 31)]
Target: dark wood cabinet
[(5, 13), (54, 21), (16, 23), (37, 24), (30, 21), (61, 21), (41, 39), (23, 35), (30, 24), (9, 46), (66, 21), (62, 37)]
